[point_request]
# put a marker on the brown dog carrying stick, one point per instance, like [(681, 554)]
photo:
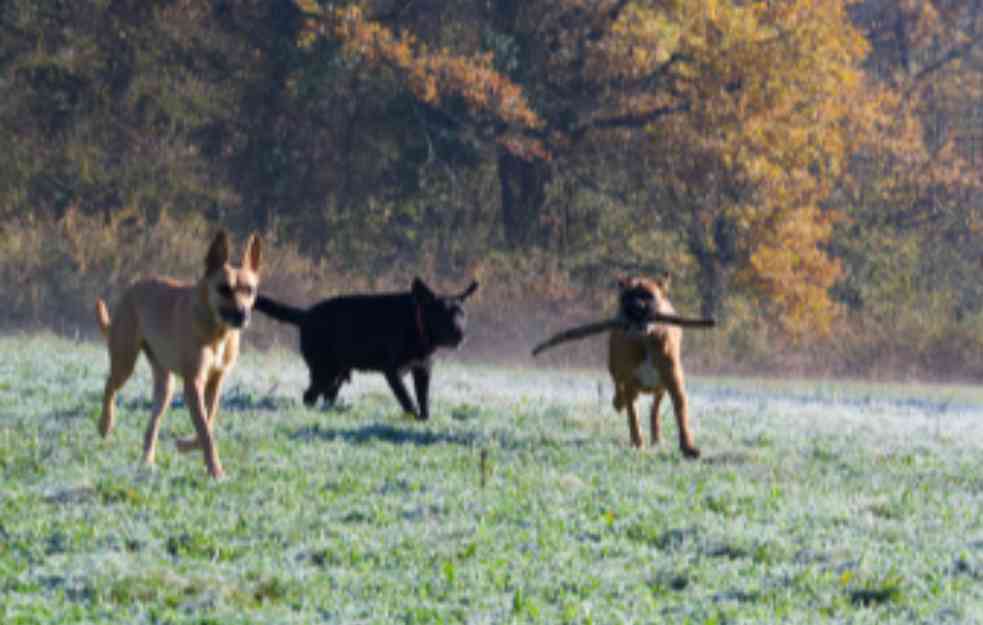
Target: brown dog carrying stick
[(191, 330), (644, 354)]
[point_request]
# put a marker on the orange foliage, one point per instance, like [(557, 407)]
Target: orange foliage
[(794, 274), (429, 75), (759, 104), (778, 96)]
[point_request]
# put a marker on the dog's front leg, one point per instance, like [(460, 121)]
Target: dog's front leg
[(680, 406), (655, 417), (421, 381), (213, 390), (194, 395), (399, 390), (634, 427)]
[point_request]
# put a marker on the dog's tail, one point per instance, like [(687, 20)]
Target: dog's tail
[(280, 312), (102, 314)]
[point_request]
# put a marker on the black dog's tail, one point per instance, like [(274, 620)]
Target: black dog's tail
[(280, 312)]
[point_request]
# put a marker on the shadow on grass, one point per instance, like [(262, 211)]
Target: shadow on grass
[(421, 434), (868, 597), (234, 399), (727, 457), (396, 435), (418, 434)]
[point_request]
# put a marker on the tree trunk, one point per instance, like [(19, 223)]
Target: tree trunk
[(523, 194), (712, 285), (712, 282)]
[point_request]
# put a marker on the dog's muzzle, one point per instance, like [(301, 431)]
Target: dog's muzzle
[(450, 341), (235, 317), (636, 311)]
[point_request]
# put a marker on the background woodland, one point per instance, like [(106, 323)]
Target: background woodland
[(806, 169)]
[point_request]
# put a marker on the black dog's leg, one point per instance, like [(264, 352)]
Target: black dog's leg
[(399, 390), (310, 396), (421, 380), (331, 390), (320, 382), (313, 368)]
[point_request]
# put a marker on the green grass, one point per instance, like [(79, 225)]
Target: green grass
[(815, 502)]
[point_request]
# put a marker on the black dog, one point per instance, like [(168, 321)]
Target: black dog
[(389, 333)]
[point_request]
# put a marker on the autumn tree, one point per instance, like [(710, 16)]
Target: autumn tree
[(90, 121), (786, 159), (744, 114), (916, 192)]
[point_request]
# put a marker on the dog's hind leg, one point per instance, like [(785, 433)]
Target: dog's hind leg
[(124, 348), (163, 392), (619, 397), (399, 390)]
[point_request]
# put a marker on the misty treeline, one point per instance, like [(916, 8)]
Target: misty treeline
[(806, 169)]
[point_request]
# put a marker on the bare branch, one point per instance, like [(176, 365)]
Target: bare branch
[(637, 120), (952, 55)]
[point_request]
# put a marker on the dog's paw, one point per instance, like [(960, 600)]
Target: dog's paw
[(692, 453)]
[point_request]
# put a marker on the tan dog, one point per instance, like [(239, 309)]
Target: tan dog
[(191, 330), (649, 361)]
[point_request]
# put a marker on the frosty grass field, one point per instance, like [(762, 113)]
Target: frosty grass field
[(814, 502)]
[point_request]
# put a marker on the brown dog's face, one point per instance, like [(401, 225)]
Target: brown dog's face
[(232, 290), (639, 297)]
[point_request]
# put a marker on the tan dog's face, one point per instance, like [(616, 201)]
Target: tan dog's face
[(639, 297), (232, 290)]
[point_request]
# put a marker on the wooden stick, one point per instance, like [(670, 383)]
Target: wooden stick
[(686, 322), (598, 327)]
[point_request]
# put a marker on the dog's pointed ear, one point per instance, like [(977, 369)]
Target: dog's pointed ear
[(622, 282), (421, 291), (252, 258), (218, 253), (468, 292)]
